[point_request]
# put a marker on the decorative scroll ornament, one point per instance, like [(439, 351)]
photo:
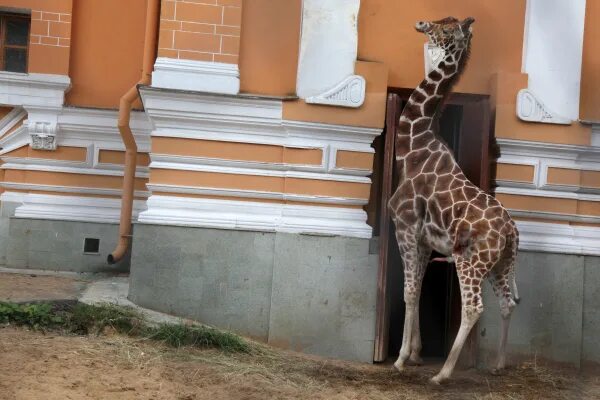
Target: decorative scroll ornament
[(43, 135), (531, 109), (348, 93), (433, 56)]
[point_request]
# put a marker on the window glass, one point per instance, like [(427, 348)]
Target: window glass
[(17, 31), (15, 60)]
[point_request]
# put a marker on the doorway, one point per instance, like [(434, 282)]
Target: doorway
[(465, 127)]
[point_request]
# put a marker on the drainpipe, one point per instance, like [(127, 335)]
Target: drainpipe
[(150, 41)]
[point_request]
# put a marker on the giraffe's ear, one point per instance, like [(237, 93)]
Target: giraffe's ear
[(467, 22)]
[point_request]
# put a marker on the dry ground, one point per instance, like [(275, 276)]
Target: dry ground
[(48, 366)]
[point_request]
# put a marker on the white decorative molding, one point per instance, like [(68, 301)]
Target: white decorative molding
[(67, 208), (11, 119), (559, 238), (68, 189), (255, 194), (433, 56), (16, 139), (255, 216), (236, 170), (200, 76), (40, 90), (348, 93), (554, 71), (543, 156), (596, 135), (531, 109), (328, 45), (247, 119)]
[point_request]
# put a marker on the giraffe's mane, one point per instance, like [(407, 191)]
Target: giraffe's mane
[(461, 69)]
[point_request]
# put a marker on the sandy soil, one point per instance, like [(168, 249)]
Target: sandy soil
[(18, 288), (48, 366)]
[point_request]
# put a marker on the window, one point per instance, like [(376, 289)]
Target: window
[(14, 39)]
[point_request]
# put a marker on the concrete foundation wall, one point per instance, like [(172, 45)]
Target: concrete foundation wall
[(7, 210), (314, 294), (58, 245), (558, 317)]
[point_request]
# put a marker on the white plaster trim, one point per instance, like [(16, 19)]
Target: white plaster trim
[(82, 127), (554, 70), (69, 189), (328, 45), (557, 238), (10, 119), (256, 171), (254, 194), (531, 109), (255, 216), (350, 92), (67, 208), (548, 155), (245, 120), (40, 90), (201, 76), (67, 169), (596, 135), (16, 139), (548, 193), (222, 162), (11, 197)]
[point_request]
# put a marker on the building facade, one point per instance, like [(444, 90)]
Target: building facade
[(259, 151)]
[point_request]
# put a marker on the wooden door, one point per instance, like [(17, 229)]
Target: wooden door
[(382, 322)]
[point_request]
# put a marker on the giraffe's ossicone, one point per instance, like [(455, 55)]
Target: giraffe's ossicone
[(435, 207)]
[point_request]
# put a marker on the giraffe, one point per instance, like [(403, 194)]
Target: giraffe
[(435, 207)]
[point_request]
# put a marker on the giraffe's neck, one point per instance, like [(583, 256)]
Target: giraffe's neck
[(423, 106)]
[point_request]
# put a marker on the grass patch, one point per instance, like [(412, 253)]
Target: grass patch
[(177, 335), (85, 319)]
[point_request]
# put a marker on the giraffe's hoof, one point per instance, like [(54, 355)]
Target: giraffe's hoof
[(415, 359), (437, 380), (399, 366)]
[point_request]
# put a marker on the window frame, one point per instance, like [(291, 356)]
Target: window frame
[(4, 18)]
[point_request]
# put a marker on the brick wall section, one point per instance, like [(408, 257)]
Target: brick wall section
[(50, 29), (201, 30)]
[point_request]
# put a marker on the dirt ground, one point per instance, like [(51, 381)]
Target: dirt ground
[(18, 288), (48, 366)]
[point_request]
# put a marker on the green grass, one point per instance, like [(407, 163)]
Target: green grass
[(178, 335), (84, 319)]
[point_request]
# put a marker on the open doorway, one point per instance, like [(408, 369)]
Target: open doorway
[(465, 127)]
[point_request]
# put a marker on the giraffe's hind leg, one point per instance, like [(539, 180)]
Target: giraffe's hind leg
[(500, 280), (469, 275), (415, 260)]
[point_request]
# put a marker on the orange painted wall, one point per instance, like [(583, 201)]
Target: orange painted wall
[(49, 40), (589, 109), (107, 50), (269, 46), (204, 30), (387, 34)]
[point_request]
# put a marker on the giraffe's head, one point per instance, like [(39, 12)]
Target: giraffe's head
[(447, 32)]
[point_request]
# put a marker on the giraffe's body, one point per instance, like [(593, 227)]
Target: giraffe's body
[(435, 207)]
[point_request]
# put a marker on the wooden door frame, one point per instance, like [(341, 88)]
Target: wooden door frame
[(480, 121)]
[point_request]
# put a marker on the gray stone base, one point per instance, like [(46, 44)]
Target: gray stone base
[(7, 210), (558, 318), (58, 245), (314, 294)]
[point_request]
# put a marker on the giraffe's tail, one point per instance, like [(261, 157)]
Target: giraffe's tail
[(513, 281)]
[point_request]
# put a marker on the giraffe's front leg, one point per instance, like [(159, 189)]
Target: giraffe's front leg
[(413, 278)]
